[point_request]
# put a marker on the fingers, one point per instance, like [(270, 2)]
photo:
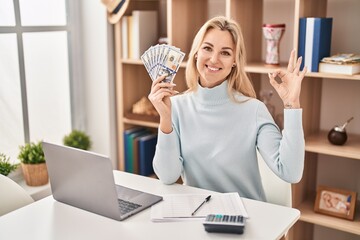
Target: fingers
[(279, 72), (158, 80), (159, 83), (273, 82), (160, 95), (303, 72), (290, 67), (297, 67), (160, 89)]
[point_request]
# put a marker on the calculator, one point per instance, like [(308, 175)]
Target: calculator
[(224, 223)]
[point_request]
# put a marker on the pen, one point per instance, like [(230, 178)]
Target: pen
[(206, 200)]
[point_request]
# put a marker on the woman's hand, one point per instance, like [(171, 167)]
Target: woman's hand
[(290, 86), (160, 97)]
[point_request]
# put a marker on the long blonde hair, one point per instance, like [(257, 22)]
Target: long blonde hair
[(238, 79)]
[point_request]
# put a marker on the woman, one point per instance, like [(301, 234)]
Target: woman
[(209, 135)]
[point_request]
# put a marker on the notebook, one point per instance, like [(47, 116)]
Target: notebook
[(85, 180)]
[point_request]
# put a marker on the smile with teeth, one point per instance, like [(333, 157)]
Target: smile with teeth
[(213, 68)]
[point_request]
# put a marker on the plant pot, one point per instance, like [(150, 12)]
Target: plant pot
[(35, 174)]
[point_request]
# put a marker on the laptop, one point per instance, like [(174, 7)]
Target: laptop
[(85, 180)]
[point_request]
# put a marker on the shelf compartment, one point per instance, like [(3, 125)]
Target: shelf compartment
[(308, 215), (318, 143), (141, 120)]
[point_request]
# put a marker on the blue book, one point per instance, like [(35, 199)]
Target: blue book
[(128, 154), (317, 34), (146, 148), (301, 40)]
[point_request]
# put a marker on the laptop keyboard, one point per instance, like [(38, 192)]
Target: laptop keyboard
[(126, 207)]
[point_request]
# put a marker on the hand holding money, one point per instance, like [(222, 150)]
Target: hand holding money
[(159, 96), (162, 60)]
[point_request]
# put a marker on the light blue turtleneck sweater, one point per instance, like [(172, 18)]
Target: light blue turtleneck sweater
[(214, 141)]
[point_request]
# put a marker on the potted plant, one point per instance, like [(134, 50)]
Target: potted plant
[(33, 164), (5, 166), (77, 139)]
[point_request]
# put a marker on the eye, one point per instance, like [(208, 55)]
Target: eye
[(225, 53), (207, 48)]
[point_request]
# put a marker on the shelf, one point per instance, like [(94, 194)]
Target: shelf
[(318, 143), (333, 76), (133, 82), (308, 215), (141, 120), (264, 69)]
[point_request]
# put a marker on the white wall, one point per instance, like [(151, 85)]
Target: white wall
[(98, 75)]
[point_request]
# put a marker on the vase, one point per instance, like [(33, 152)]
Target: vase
[(273, 34), (35, 174)]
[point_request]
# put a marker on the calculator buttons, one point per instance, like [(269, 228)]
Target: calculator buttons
[(224, 223)]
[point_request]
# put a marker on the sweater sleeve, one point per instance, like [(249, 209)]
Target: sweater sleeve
[(167, 162), (283, 153)]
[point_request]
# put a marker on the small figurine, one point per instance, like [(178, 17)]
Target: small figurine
[(338, 135)]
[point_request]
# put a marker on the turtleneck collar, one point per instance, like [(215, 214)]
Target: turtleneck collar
[(213, 96)]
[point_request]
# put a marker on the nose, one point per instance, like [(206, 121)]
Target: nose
[(214, 57)]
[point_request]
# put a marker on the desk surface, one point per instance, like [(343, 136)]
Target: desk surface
[(48, 219)]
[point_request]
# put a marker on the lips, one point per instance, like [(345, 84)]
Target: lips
[(213, 69)]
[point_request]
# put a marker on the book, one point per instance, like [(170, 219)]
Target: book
[(301, 40), (136, 154), (130, 164), (124, 37), (342, 58), (130, 37), (314, 41), (128, 151), (144, 31), (349, 69), (146, 152)]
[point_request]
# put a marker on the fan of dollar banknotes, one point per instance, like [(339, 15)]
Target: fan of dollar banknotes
[(162, 60)]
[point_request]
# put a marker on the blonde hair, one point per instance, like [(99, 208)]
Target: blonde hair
[(238, 80)]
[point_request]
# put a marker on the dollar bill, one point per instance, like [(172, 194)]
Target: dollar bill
[(161, 60)]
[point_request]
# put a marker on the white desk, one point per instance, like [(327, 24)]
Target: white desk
[(48, 219)]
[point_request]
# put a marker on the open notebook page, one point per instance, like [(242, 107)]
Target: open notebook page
[(180, 206)]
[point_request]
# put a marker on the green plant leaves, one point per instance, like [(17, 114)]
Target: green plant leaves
[(31, 153), (77, 139), (5, 166)]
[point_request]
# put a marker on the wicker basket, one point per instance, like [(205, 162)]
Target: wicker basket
[(35, 174)]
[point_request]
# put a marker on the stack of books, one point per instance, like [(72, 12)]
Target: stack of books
[(139, 148), (139, 31), (347, 63)]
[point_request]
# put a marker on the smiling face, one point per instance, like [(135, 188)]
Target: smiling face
[(215, 57)]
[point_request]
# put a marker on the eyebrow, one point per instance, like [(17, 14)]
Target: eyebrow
[(224, 48)]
